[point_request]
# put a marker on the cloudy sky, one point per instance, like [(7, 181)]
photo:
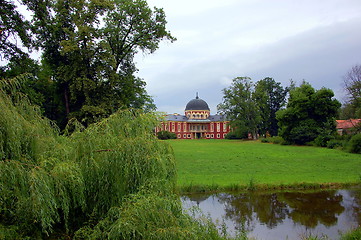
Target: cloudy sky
[(218, 40)]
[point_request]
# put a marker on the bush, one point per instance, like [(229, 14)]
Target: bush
[(165, 135), (236, 135), (305, 132), (275, 140), (354, 145), (232, 135), (322, 140), (335, 143)]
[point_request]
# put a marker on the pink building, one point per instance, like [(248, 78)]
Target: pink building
[(196, 123), (346, 126)]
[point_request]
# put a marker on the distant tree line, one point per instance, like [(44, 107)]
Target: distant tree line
[(307, 115), (87, 68)]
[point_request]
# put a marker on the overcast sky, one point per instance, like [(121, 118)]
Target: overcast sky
[(218, 40)]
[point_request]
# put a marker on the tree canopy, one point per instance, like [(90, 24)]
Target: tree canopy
[(88, 48), (270, 97), (252, 108), (310, 114), (239, 106)]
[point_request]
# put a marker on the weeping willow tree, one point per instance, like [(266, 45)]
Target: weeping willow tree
[(112, 180)]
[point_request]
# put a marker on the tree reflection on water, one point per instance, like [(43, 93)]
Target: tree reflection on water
[(310, 209), (307, 209), (243, 208)]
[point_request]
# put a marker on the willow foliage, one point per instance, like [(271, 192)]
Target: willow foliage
[(49, 181), (112, 180), (150, 216)]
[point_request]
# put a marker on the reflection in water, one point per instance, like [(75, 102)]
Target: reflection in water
[(242, 208), (312, 209), (283, 214)]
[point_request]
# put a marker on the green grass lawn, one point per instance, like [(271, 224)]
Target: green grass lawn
[(226, 163)]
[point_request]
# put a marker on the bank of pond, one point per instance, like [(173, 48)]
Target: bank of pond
[(263, 215)]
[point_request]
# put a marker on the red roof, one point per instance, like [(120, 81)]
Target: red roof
[(345, 124)]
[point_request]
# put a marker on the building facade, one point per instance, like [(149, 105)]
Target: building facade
[(347, 126), (196, 123)]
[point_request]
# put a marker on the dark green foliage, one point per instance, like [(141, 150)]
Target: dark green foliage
[(309, 114), (165, 135), (354, 145), (252, 108), (93, 64), (239, 106), (322, 140), (334, 143), (275, 140), (87, 68), (270, 97), (236, 135)]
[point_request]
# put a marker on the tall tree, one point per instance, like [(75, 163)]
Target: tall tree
[(309, 114), (270, 97), (239, 106), (352, 83), (90, 45)]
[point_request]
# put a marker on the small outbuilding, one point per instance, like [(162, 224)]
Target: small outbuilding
[(346, 126)]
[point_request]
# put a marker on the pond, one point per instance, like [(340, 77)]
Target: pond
[(282, 215)]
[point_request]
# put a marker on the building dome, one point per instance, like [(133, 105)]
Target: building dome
[(197, 104)]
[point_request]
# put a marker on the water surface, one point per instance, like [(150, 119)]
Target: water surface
[(282, 215)]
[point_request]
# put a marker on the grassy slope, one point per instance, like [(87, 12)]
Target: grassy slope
[(225, 163)]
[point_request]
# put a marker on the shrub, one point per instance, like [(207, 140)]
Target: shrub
[(322, 140), (236, 135), (231, 135), (335, 143), (275, 140), (354, 145), (165, 135)]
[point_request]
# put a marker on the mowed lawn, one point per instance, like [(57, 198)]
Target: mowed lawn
[(227, 162)]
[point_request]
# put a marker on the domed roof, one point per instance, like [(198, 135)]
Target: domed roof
[(197, 104)]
